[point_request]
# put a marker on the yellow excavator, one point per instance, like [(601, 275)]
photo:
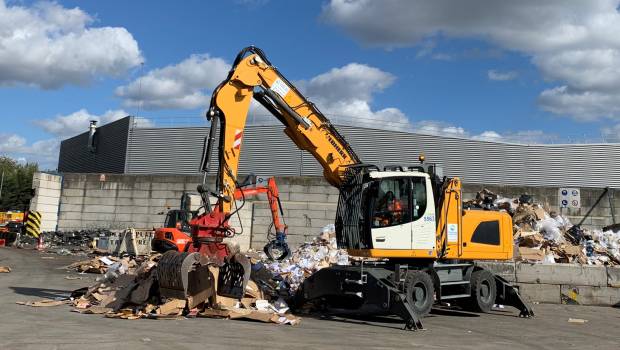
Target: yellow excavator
[(415, 243)]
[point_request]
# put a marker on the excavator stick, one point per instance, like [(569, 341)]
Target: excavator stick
[(185, 276), (508, 294)]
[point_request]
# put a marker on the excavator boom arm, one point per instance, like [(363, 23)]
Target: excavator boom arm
[(252, 76)]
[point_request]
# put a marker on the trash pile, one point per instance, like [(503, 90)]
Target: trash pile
[(107, 265), (545, 236), (308, 258), (66, 242), (128, 289)]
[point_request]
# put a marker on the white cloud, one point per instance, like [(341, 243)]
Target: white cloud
[(43, 152), (496, 75), (345, 95), (64, 126), (573, 42), (179, 86), (48, 46), (433, 127)]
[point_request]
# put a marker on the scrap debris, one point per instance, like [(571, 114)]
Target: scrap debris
[(308, 258), (128, 287), (5, 269), (546, 236)]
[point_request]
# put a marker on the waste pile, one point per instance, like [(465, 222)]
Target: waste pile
[(107, 265), (546, 236), (66, 242), (128, 289), (308, 258)]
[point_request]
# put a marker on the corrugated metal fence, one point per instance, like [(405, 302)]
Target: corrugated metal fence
[(267, 151)]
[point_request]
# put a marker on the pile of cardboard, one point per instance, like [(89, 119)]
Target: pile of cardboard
[(132, 292), (308, 258)]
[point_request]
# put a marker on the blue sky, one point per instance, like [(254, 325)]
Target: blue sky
[(500, 72)]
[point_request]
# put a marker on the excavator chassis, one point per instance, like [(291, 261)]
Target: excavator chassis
[(367, 290), (379, 290)]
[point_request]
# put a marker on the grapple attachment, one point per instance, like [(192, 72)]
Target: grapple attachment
[(185, 276), (234, 276)]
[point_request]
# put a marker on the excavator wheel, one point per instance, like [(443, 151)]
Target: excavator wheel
[(483, 292), (420, 291)]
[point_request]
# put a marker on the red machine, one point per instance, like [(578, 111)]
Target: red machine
[(176, 233)]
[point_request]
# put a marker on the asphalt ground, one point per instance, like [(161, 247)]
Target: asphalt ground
[(38, 275)]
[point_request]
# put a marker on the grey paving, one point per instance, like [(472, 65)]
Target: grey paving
[(34, 276)]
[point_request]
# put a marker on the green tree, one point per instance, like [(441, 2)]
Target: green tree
[(16, 184)]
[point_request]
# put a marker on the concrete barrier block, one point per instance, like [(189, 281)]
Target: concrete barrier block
[(72, 200), (121, 202), (44, 207), (86, 217), (571, 274), (100, 200), (72, 192), (319, 189), (506, 269), (166, 194), (137, 210), (64, 208), (134, 193), (66, 225), (70, 215), (590, 295), (308, 197), (303, 221), (295, 205), (168, 186), (542, 293), (163, 203), (297, 189), (333, 198), (98, 209), (323, 206), (100, 193), (613, 276), (46, 200)]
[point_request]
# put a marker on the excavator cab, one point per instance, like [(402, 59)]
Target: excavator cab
[(395, 212)]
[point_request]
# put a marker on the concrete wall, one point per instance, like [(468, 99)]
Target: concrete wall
[(309, 203), (46, 199), (562, 283), (141, 201)]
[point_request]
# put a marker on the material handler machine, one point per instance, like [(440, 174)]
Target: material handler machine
[(415, 243), (176, 232)]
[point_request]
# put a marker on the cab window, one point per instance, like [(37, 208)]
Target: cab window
[(419, 197), (391, 202)]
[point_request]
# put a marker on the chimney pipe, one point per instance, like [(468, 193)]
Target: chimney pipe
[(92, 130)]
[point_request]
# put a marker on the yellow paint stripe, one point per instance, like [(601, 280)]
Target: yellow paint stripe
[(35, 221), (32, 232), (33, 224)]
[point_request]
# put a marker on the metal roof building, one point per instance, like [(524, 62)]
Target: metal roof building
[(123, 147)]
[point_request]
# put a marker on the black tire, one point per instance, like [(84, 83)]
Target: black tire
[(483, 292), (420, 291)]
